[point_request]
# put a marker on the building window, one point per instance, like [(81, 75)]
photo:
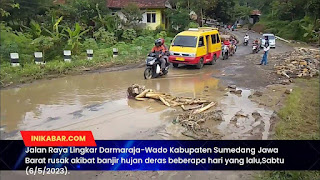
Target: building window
[(151, 17)]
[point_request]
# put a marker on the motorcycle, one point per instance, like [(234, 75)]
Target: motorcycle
[(154, 65), (255, 48), (235, 48), (225, 52)]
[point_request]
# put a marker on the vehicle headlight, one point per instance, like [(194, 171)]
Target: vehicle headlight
[(171, 53), (151, 62), (192, 54)]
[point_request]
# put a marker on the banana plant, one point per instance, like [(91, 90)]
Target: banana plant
[(55, 33), (35, 29), (74, 37), (309, 29)]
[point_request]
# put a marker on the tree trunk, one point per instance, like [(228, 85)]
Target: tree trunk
[(201, 18)]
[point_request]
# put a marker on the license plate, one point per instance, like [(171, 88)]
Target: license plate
[(180, 59)]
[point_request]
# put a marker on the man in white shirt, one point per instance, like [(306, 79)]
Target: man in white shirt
[(246, 37), (266, 49)]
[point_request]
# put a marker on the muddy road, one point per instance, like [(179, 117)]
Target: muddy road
[(98, 103)]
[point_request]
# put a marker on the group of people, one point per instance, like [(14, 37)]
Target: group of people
[(266, 48), (160, 47), (231, 43)]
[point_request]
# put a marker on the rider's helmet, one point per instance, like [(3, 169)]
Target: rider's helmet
[(158, 42), (162, 41)]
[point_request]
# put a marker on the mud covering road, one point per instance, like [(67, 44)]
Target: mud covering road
[(98, 102)]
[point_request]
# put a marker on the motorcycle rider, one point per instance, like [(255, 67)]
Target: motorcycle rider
[(246, 38), (256, 42), (233, 43), (159, 48), (256, 45), (166, 54), (227, 43)]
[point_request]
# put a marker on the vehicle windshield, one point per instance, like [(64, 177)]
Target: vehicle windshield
[(185, 41), (270, 37)]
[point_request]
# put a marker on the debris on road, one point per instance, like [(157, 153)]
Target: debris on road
[(258, 93), (256, 115), (142, 94), (241, 114), (196, 111), (288, 91), (302, 62), (234, 91), (232, 86), (193, 121)]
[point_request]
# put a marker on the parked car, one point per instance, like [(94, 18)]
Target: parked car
[(271, 39)]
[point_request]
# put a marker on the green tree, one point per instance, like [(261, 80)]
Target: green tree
[(133, 14), (6, 6), (179, 18)]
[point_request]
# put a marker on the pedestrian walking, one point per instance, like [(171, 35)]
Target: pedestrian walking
[(266, 49)]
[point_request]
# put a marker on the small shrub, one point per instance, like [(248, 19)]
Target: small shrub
[(258, 27), (193, 25), (89, 44), (158, 29), (129, 34), (104, 36), (271, 30), (162, 34), (147, 32)]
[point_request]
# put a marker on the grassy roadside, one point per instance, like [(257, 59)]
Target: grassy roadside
[(56, 68), (129, 53), (299, 120)]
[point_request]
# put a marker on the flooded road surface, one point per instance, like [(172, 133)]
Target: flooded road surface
[(97, 102)]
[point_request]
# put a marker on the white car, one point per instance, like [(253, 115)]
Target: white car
[(271, 38)]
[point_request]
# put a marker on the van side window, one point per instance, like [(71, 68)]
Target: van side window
[(201, 42), (218, 38), (214, 40)]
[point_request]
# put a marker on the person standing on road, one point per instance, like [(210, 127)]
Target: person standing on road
[(266, 49)]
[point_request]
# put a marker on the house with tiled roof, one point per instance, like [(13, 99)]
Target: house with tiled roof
[(153, 15)]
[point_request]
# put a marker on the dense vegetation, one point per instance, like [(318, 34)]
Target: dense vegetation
[(41, 25), (291, 19)]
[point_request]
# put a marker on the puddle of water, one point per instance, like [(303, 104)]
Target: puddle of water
[(245, 126), (97, 102)]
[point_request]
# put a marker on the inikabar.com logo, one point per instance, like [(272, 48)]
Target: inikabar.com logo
[(58, 138)]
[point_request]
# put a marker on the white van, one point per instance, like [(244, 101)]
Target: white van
[(272, 40)]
